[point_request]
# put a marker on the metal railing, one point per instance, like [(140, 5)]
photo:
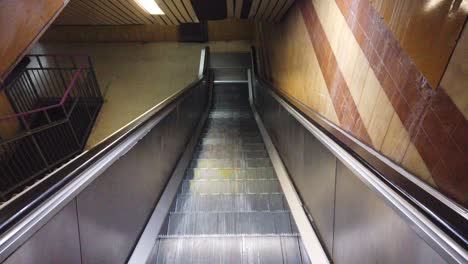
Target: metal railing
[(55, 100)]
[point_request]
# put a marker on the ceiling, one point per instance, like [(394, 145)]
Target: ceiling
[(128, 12)]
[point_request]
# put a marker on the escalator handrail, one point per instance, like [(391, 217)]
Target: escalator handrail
[(23, 204), (446, 214)]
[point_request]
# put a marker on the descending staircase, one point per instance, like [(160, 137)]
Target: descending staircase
[(230, 207)]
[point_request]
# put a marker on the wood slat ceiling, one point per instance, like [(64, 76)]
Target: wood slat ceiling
[(128, 12)]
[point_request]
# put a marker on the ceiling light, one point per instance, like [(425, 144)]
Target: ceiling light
[(151, 6)]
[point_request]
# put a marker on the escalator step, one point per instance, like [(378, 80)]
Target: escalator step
[(230, 174), (230, 202), (231, 249), (227, 223), (231, 141), (230, 163), (230, 186), (230, 154), (234, 147), (230, 114), (230, 133)]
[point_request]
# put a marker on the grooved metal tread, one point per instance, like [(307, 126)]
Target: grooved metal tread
[(231, 186), (232, 249), (225, 223), (239, 202), (230, 163), (230, 173)]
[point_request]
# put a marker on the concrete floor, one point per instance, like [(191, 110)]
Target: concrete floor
[(134, 77)]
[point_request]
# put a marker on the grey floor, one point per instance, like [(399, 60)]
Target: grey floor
[(230, 207)]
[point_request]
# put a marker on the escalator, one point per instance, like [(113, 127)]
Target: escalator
[(230, 207), (230, 170)]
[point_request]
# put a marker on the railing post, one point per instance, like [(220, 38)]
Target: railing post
[(39, 150)]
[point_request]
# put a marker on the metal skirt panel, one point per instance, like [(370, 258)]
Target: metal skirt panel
[(57, 241), (113, 210), (351, 231), (113, 198)]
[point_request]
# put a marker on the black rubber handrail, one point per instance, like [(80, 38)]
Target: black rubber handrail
[(16, 209), (447, 219)]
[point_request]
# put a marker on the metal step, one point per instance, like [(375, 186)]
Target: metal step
[(230, 140), (226, 132), (234, 147), (230, 186), (230, 96), (230, 114), (229, 123), (230, 154), (227, 106), (227, 223), (230, 174), (242, 249), (230, 202), (230, 163), (230, 74), (229, 133)]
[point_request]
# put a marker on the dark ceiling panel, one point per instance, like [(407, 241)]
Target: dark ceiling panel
[(246, 8), (129, 12), (209, 9)]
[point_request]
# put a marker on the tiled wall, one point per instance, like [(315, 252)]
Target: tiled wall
[(427, 29), (341, 59)]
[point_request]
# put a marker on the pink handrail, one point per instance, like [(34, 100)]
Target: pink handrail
[(41, 109)]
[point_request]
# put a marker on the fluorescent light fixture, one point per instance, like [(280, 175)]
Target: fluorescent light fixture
[(151, 6)]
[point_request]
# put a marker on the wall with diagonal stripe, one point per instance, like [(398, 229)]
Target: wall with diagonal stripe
[(341, 59)]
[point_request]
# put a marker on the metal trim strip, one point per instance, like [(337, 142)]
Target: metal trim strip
[(311, 241)]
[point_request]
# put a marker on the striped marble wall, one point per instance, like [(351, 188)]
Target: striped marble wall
[(341, 59)]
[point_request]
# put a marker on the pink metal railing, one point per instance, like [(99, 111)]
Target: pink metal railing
[(75, 77)]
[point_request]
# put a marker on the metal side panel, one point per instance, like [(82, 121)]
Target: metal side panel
[(313, 247), (56, 242), (356, 224), (317, 187), (146, 244), (114, 209), (311, 166), (368, 231)]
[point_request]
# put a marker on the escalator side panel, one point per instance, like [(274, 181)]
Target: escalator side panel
[(101, 222), (354, 223)]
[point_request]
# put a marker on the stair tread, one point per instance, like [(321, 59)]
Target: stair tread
[(193, 223), (244, 249), (230, 202), (230, 173), (231, 186)]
